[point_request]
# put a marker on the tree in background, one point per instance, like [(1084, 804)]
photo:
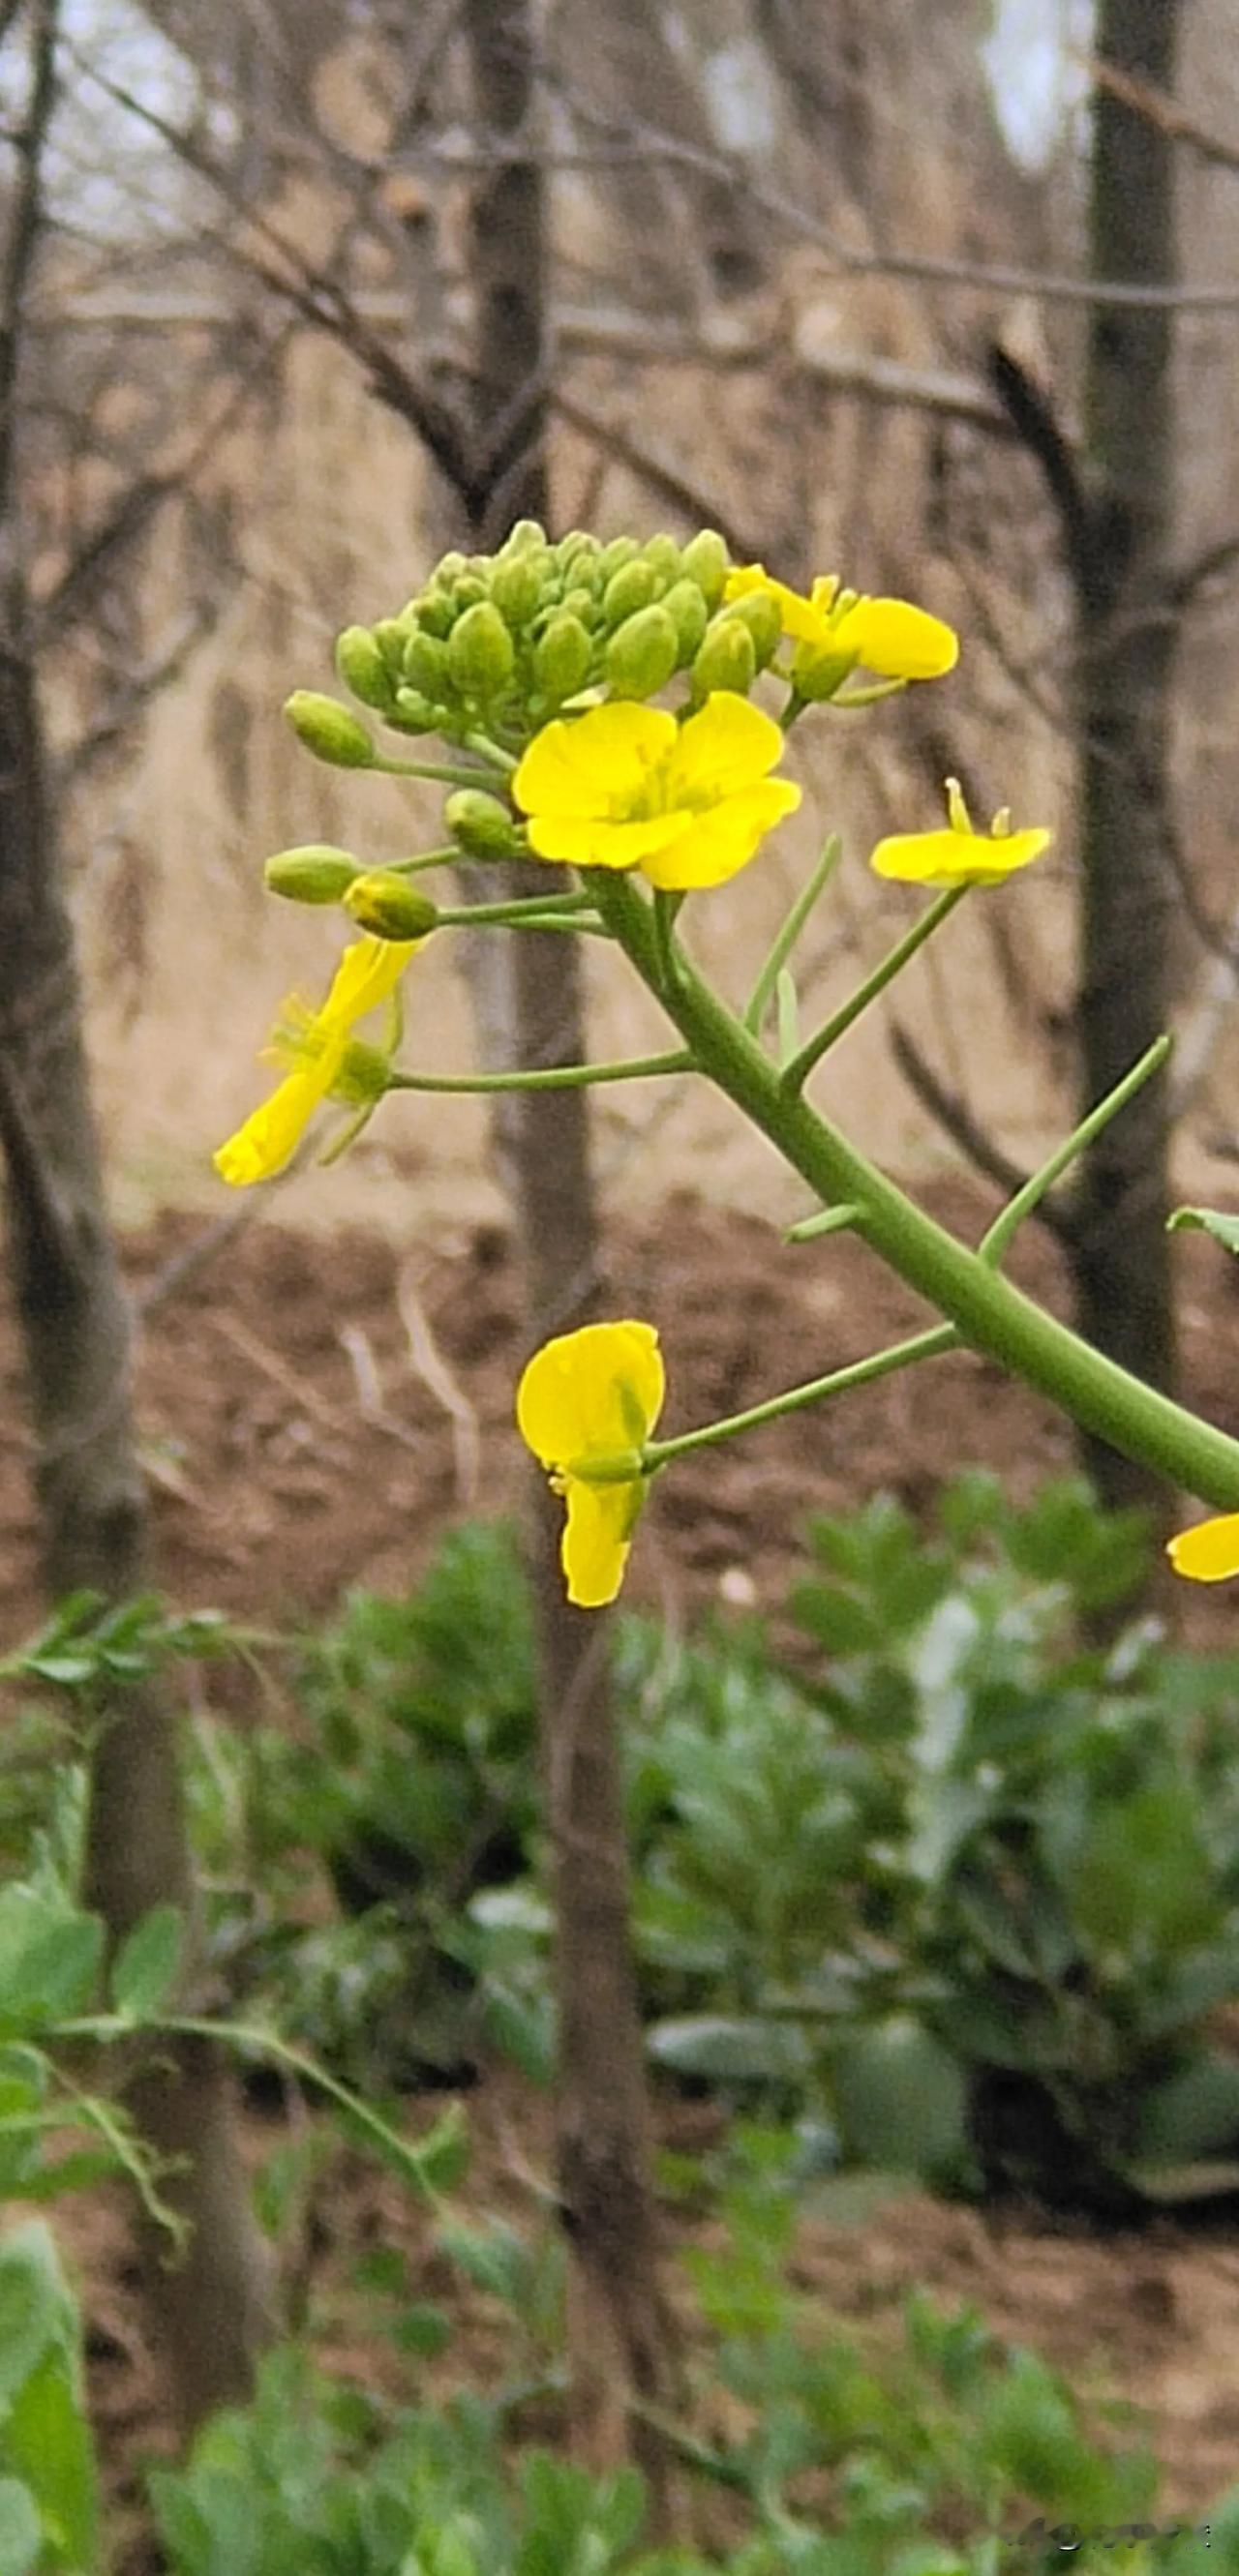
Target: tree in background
[(208, 2310)]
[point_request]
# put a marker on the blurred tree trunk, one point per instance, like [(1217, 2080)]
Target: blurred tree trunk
[(74, 1324), (1121, 1253), (618, 2329)]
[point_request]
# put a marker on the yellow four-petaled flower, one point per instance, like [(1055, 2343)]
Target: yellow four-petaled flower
[(890, 636), (315, 1045), (625, 786), (586, 1406)]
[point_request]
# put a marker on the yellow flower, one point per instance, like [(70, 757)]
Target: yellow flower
[(626, 787), (586, 1406), (315, 1045), (889, 636), (1209, 1553), (958, 855)]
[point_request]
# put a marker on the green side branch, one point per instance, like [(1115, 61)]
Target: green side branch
[(969, 1292)]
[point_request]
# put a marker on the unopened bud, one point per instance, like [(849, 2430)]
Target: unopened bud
[(425, 665), (449, 569), (642, 654), (480, 652), (760, 613), (516, 588), (726, 660), (821, 676), (385, 904), (707, 561), (634, 586), (468, 592), (579, 602), (391, 635), (480, 823), (561, 658), (689, 615), (663, 554), (329, 730), (314, 874), (435, 613), (416, 713), (621, 550), (363, 669), (526, 534)]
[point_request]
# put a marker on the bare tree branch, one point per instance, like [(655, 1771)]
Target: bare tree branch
[(1146, 100), (658, 470), (23, 231)]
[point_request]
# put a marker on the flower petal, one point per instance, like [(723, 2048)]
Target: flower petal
[(728, 744), (956, 858), (896, 640), (724, 839), (589, 841), (596, 763), (272, 1132), (597, 1390), (596, 1541), (1209, 1553), (367, 974), (802, 619)]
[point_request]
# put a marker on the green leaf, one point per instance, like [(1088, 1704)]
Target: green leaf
[(1194, 2113), (46, 2436), (50, 1957), (901, 2098), (148, 1963), (35, 2309), (21, 2529), (752, 2050), (1224, 1229)]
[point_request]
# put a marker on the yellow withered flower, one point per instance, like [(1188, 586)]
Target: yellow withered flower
[(958, 855), (625, 786), (586, 1405), (314, 1045), (891, 637)]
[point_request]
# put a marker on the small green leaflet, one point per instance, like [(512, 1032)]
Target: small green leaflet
[(1224, 1229)]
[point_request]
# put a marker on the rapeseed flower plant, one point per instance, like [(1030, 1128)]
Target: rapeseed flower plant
[(586, 1405), (625, 786), (891, 637), (315, 1045), (959, 855)]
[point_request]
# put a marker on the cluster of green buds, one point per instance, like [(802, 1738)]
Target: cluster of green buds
[(497, 645)]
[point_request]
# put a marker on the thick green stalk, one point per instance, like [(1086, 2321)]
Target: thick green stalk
[(987, 1311)]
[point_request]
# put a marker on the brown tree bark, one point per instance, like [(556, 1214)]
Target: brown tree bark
[(618, 2327), (1121, 1254), (74, 1324)]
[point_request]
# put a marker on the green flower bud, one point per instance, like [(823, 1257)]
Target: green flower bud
[(417, 714), (634, 586), (524, 537), (425, 665), (581, 603), (726, 660), (663, 554), (363, 1077), (384, 903), (481, 824), (435, 613), (688, 614), (449, 569), (315, 874), (391, 635), (642, 654), (760, 614), (480, 653), (707, 561), (823, 678), (468, 592), (362, 668), (516, 588), (561, 658), (332, 732)]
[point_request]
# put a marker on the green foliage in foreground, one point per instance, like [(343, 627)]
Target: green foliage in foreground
[(938, 1873)]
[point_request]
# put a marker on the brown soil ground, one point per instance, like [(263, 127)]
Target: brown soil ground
[(314, 1411)]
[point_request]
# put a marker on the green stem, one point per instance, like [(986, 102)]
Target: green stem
[(988, 1312), (759, 999), (492, 752), (428, 859), (526, 908), (993, 1245), (901, 1355), (833, 1220), (442, 770), (555, 1077), (796, 1074)]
